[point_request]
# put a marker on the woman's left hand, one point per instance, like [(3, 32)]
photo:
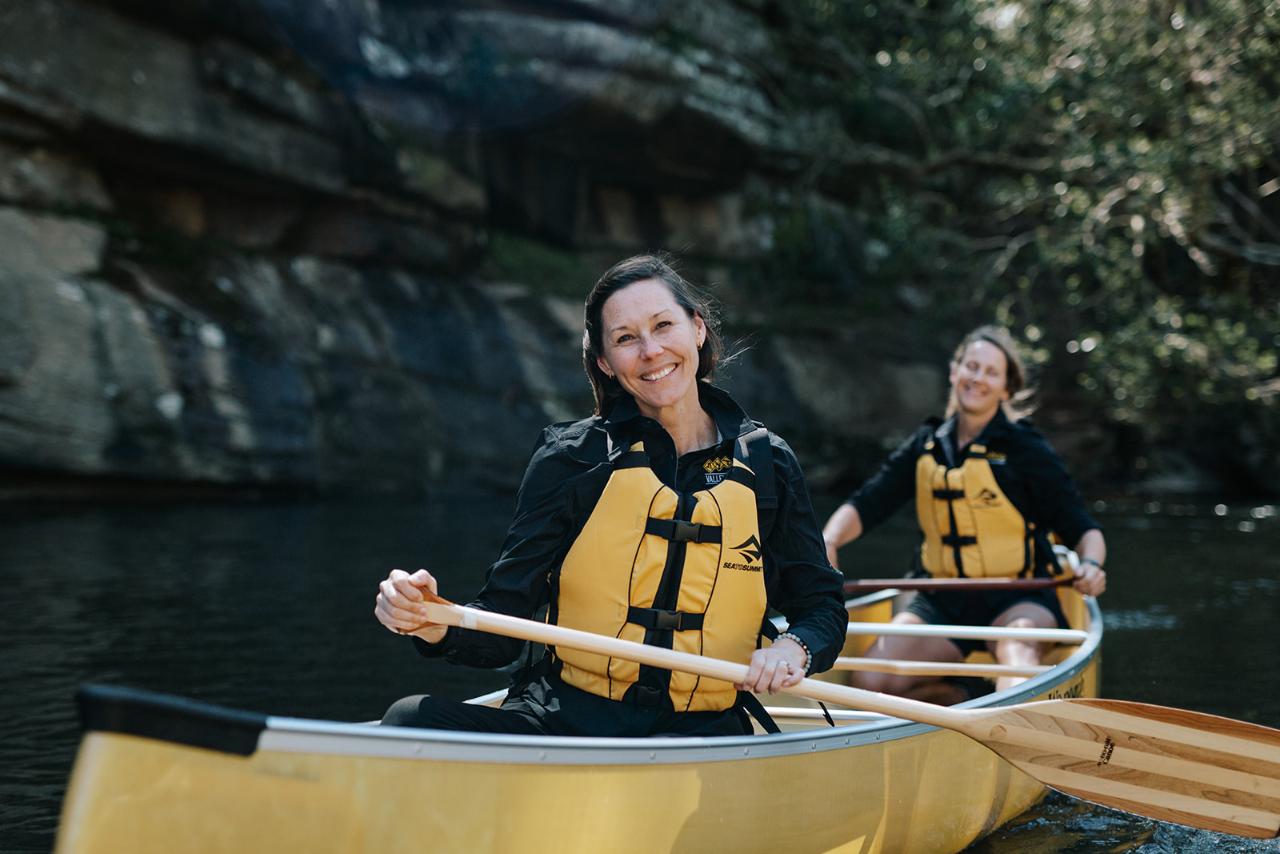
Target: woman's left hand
[(774, 668), (1091, 580)]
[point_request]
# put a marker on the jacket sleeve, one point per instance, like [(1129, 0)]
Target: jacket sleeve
[(893, 484), (1055, 501), (802, 584), (518, 582)]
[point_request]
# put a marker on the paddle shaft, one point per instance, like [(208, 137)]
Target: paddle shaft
[(728, 671), (872, 585)]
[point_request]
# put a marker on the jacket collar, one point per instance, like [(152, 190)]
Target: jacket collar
[(996, 427), (624, 416)]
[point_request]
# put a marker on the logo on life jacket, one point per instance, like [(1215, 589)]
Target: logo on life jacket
[(749, 550), (988, 498), (717, 464), (716, 468)]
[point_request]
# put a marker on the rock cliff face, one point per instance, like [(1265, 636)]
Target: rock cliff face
[(342, 245)]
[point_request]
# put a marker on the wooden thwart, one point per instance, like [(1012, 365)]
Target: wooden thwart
[(871, 585), (936, 668), (1167, 764), (924, 630)]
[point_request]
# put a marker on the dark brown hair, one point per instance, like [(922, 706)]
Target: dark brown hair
[(641, 268), (1018, 405)]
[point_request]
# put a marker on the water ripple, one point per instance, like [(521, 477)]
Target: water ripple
[(1155, 618)]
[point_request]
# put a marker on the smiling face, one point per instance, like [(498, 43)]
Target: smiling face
[(979, 380), (650, 344)]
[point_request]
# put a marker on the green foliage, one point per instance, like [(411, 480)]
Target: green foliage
[(1104, 173), (554, 271)]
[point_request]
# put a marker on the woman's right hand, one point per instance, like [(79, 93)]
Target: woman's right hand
[(400, 608), (1091, 579)]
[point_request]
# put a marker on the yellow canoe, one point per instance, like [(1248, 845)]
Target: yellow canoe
[(163, 774)]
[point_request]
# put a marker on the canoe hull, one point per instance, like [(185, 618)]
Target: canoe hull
[(309, 786)]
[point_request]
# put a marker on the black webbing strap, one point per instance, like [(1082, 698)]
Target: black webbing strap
[(658, 619), (949, 494), (752, 706), (755, 450), (954, 540), (742, 476), (680, 531)]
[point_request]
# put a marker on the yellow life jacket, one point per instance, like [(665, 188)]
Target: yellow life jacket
[(970, 526), (647, 547)]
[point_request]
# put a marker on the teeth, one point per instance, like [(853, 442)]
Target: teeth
[(657, 375)]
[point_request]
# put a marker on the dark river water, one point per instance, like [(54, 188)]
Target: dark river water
[(268, 607)]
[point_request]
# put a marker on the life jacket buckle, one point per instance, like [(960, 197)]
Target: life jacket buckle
[(687, 532), (659, 619), (678, 530), (668, 621)]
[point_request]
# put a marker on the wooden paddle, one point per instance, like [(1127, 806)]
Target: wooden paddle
[(872, 585), (1167, 764)]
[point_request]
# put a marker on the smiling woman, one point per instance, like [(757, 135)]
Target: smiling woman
[(668, 518), (642, 313), (650, 347), (988, 491)]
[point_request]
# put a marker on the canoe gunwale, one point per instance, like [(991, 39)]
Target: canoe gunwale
[(298, 735)]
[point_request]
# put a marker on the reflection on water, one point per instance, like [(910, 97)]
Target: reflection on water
[(1155, 617), (1063, 824), (269, 607)]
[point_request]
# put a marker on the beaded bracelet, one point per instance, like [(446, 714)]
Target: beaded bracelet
[(792, 636)]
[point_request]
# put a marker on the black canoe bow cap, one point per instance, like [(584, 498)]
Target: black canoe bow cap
[(110, 708)]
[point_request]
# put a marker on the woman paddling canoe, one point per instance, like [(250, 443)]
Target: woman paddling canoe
[(669, 517), (988, 490)]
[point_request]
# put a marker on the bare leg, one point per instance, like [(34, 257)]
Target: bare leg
[(931, 689), (1024, 615)]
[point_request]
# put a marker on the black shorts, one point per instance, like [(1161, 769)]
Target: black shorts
[(978, 608)]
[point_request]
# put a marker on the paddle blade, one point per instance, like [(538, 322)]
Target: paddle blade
[(1168, 764)]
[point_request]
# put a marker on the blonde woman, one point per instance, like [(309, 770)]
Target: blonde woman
[(988, 491)]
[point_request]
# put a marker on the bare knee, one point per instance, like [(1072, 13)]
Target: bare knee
[(1020, 652)]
